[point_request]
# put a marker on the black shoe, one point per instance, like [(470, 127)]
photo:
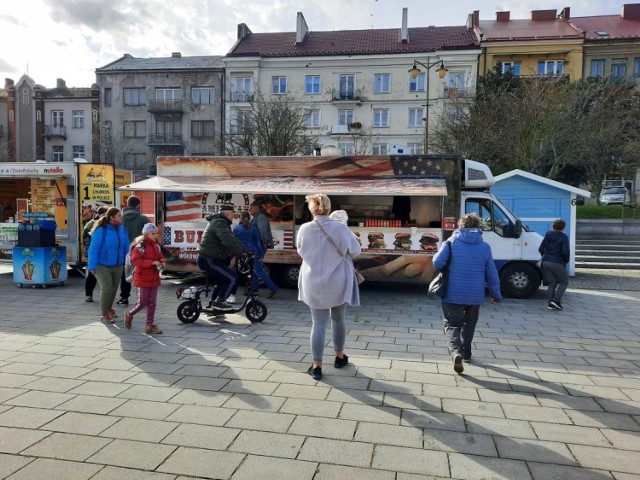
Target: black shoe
[(466, 359), (123, 301), (458, 367), (554, 306), (315, 372), (341, 362), (88, 298), (222, 305)]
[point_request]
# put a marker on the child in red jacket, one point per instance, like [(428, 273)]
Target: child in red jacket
[(147, 260)]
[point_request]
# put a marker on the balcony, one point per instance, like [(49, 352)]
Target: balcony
[(455, 92), (165, 106), (50, 131), (241, 97), (163, 140), (339, 129), (348, 95)]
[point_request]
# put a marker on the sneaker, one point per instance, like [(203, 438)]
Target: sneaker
[(88, 298), (466, 359), (458, 367), (152, 329), (273, 294), (128, 320), (106, 319), (315, 372), (558, 305), (221, 305), (123, 301), (231, 298), (112, 313), (341, 362), (553, 306)]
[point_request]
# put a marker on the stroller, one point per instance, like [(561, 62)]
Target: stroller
[(192, 307)]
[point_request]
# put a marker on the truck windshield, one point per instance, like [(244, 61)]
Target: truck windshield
[(493, 217)]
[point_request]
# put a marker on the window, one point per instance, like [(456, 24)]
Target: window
[(381, 83), (106, 97), (347, 148), (597, 68), (618, 69), (551, 68), (134, 160), (380, 148), (78, 118), (493, 217), (58, 153), (414, 148), (202, 129), (134, 96), (169, 128), (243, 89), (312, 118), (135, 129), (345, 117), (380, 117), (169, 94), (78, 151), (278, 85), (347, 86), (416, 116), (311, 84), (511, 67), (240, 121), (636, 67), (417, 84), (202, 95), (57, 118)]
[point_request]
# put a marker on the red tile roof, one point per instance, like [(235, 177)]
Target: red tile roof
[(494, 31), (616, 26), (354, 42)]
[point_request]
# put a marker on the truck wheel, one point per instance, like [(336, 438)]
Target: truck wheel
[(289, 276), (256, 311), (188, 312), (519, 280)]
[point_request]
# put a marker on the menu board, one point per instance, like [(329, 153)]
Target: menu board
[(97, 187), (48, 196)]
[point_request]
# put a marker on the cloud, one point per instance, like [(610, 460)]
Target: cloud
[(11, 20), (7, 67)]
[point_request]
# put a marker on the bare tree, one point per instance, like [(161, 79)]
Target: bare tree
[(274, 125)]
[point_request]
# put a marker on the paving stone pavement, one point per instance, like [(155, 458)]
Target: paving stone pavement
[(549, 395)]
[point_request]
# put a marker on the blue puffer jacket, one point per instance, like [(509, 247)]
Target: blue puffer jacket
[(471, 268), (555, 247), (109, 246), (250, 238)]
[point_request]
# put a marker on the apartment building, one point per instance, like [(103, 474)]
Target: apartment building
[(53, 124), (354, 84), (160, 106)]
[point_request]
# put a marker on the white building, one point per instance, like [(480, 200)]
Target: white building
[(355, 84)]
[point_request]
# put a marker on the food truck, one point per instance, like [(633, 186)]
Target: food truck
[(68, 193), (400, 207)]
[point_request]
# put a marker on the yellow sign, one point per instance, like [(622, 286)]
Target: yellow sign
[(49, 196), (97, 187), (123, 177)]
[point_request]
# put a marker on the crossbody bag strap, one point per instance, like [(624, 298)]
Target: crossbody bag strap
[(328, 238)]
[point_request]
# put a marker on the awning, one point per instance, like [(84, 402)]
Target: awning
[(370, 186)]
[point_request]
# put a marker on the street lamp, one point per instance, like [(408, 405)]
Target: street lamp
[(414, 71)]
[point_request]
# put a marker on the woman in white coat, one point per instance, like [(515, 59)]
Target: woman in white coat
[(327, 282)]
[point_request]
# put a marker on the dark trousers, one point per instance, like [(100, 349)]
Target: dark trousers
[(221, 274), (90, 283), (459, 326), (125, 287)]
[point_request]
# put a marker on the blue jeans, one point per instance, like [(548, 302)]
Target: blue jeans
[(260, 273), (220, 273)]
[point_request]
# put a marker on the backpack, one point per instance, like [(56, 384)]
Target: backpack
[(129, 267)]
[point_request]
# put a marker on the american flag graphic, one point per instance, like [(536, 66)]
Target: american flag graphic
[(183, 206), (288, 239)]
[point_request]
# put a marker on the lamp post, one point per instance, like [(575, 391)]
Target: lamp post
[(414, 71)]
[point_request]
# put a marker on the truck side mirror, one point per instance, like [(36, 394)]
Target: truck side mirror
[(518, 229), (513, 230)]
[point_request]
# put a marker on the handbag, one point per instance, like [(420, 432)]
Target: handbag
[(359, 277), (438, 286)]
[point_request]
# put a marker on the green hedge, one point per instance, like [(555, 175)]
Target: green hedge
[(606, 211)]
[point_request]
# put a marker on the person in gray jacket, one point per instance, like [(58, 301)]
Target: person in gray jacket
[(262, 222), (218, 247), (327, 282), (555, 256)]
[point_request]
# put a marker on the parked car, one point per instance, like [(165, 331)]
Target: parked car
[(611, 195)]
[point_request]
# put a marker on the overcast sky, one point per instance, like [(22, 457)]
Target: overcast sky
[(69, 39)]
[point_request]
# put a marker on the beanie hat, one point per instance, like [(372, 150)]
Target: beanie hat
[(149, 228), (339, 215)]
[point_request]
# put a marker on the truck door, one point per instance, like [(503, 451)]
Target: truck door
[(499, 230)]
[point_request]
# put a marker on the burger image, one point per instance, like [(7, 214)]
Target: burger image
[(376, 240), (429, 242), (403, 241)]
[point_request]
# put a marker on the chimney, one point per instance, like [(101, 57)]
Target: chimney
[(475, 18), (502, 16), (537, 15), (243, 31), (566, 13), (301, 28), (630, 10), (8, 83), (176, 55), (404, 31), (60, 83)]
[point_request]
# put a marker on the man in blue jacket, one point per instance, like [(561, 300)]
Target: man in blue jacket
[(555, 256), (471, 268)]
